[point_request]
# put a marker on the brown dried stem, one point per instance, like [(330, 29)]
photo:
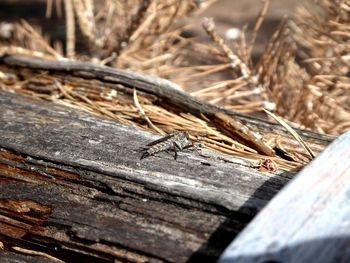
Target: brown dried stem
[(209, 26), (70, 29), (85, 17), (259, 21), (136, 21)]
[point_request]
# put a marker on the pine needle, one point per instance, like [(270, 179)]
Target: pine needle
[(292, 132), (143, 114), (37, 253)]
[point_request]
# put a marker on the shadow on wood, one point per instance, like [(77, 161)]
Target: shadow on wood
[(308, 221), (226, 232)]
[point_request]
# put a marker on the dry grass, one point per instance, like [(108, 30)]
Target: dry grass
[(119, 104), (313, 94)]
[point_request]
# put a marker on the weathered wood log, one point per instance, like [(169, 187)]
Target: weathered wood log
[(308, 221), (169, 95), (73, 186)]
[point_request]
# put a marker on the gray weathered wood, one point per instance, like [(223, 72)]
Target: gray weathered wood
[(168, 94), (308, 221), (11, 257), (73, 186)]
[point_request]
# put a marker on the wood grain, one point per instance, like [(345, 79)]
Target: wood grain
[(169, 95), (308, 221), (73, 186)]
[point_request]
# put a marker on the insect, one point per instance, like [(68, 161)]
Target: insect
[(175, 141)]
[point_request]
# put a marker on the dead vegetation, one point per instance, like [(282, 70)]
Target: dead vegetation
[(321, 33), (301, 75)]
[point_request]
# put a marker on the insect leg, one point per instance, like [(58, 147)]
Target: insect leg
[(145, 155), (177, 146), (189, 146), (173, 147)]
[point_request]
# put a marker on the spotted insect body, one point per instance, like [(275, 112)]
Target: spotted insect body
[(175, 141)]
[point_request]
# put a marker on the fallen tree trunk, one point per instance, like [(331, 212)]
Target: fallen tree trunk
[(73, 186)]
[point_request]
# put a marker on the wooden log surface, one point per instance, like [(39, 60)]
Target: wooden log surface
[(73, 186), (169, 95), (11, 257), (308, 221)]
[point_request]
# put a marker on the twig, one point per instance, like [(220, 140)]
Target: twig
[(237, 130), (33, 34), (169, 93), (134, 24), (258, 23), (146, 23), (209, 26)]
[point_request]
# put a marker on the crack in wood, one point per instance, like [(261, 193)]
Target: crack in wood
[(103, 194)]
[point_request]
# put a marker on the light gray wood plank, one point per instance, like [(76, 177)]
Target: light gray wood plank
[(308, 220)]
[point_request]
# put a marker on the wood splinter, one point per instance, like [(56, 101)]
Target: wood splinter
[(163, 89), (237, 129)]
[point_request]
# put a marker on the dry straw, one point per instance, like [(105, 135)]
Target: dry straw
[(148, 37)]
